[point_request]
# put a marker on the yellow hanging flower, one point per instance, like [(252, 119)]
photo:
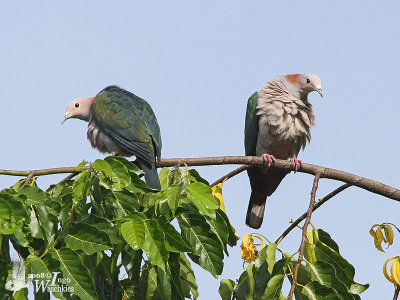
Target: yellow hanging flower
[(384, 233), (248, 248), (217, 193), (394, 270)]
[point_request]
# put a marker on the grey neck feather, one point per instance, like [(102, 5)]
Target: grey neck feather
[(295, 91)]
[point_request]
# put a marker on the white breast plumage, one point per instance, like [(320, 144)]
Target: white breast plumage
[(285, 121)]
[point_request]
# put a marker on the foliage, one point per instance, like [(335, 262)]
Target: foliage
[(106, 235), (324, 274)]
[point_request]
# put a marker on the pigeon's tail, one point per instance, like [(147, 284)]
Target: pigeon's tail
[(151, 175), (263, 184), (255, 213)]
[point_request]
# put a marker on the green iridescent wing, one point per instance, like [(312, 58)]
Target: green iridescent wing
[(128, 120), (251, 126)]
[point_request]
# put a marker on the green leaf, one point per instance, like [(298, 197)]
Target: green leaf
[(104, 225), (72, 268), (357, 288), (22, 294), (87, 238), (148, 286), (48, 223), (81, 185), (104, 167), (271, 250), (281, 266), (325, 274), (187, 277), (232, 237), (164, 178), (261, 271), (327, 252), (220, 229), (133, 232), (120, 175), (10, 227), (131, 167), (154, 243), (197, 177), (316, 291), (201, 195), (274, 287), (33, 195), (207, 248), (12, 209), (45, 265), (245, 287), (126, 202), (13, 214), (225, 290), (174, 194), (174, 241), (174, 276), (115, 172), (35, 227)]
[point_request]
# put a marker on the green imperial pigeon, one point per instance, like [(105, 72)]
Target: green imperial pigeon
[(278, 121), (121, 123)]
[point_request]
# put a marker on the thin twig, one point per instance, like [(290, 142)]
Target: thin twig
[(231, 174), (28, 178), (316, 206), (304, 235), (396, 292), (178, 164), (70, 176), (367, 184)]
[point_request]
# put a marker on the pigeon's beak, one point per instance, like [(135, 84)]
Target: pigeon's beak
[(319, 90), (66, 117)]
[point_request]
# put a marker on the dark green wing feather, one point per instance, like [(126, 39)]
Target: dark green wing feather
[(128, 120), (251, 126)]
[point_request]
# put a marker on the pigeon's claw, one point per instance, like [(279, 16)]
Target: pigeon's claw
[(268, 159), (295, 164)]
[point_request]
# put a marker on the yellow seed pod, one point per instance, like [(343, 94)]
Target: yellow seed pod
[(394, 270)]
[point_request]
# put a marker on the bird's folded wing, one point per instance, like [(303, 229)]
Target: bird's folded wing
[(251, 125), (126, 121)]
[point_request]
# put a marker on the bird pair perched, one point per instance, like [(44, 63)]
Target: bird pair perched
[(278, 121)]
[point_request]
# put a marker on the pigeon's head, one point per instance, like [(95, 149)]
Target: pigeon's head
[(78, 108), (300, 85)]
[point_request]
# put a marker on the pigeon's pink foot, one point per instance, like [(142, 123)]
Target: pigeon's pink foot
[(296, 164), (268, 159)]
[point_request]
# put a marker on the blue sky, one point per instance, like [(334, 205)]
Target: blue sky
[(197, 63)]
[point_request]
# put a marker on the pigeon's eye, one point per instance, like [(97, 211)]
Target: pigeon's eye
[(76, 105), (308, 81)]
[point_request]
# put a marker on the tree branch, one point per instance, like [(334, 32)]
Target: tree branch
[(316, 206), (304, 234), (364, 183), (231, 174), (396, 292)]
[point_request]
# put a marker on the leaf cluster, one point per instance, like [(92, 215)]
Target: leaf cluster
[(109, 236), (324, 274)]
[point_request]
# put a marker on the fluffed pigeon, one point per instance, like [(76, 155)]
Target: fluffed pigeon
[(121, 123), (278, 121)]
